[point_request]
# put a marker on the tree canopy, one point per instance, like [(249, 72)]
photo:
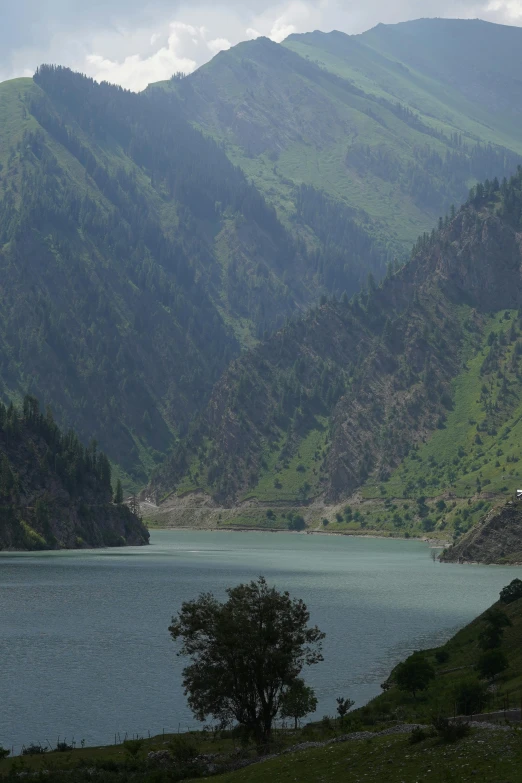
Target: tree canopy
[(245, 654), (512, 592), (414, 674), (298, 701)]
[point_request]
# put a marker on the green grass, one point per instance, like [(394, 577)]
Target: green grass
[(439, 106), (303, 469), (310, 128), (463, 651), (482, 757), (107, 753), (14, 118), (470, 454)]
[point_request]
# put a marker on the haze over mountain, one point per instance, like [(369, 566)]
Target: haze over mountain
[(147, 240), (134, 43), (375, 121)]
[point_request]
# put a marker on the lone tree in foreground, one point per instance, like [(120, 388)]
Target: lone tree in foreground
[(246, 654)]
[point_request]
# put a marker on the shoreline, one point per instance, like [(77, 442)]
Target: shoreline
[(434, 543)]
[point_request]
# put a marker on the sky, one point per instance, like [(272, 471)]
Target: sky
[(135, 42)]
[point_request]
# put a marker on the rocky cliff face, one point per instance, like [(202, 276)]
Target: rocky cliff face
[(497, 539)]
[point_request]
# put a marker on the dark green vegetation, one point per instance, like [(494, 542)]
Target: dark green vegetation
[(145, 240), (485, 756), (393, 125), (246, 656), (478, 671), (54, 492), (135, 259), (411, 391)]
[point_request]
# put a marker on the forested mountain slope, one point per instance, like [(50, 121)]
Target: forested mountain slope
[(394, 125), (54, 492), (411, 390), (135, 260)]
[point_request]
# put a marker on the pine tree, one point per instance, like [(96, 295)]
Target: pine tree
[(118, 495)]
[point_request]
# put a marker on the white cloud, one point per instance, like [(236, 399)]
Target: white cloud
[(512, 9), (218, 45), (136, 72), (295, 17), (133, 43)]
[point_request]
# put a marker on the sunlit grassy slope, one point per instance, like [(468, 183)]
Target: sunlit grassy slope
[(374, 120), (485, 756), (444, 486)]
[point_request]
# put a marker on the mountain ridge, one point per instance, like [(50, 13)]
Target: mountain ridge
[(362, 127), (394, 355)]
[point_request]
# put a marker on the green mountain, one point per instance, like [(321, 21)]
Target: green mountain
[(146, 240), (394, 125), (411, 392), (135, 262), (54, 492)]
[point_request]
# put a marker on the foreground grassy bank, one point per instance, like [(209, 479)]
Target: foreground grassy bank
[(486, 755)]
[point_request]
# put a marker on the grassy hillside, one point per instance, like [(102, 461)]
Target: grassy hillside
[(370, 120), (400, 410), (485, 756), (136, 262), (455, 663)]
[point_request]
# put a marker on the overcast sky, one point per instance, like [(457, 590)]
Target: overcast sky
[(135, 42)]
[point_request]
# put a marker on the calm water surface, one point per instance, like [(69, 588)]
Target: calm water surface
[(84, 646)]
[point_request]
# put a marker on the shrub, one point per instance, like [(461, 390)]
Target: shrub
[(491, 663), (297, 523), (33, 750), (415, 674), (63, 747), (4, 753), (450, 731), (418, 735), (183, 750), (512, 592), (133, 747), (471, 696), (428, 525), (441, 656)]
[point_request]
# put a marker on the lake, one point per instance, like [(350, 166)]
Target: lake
[(85, 650)]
